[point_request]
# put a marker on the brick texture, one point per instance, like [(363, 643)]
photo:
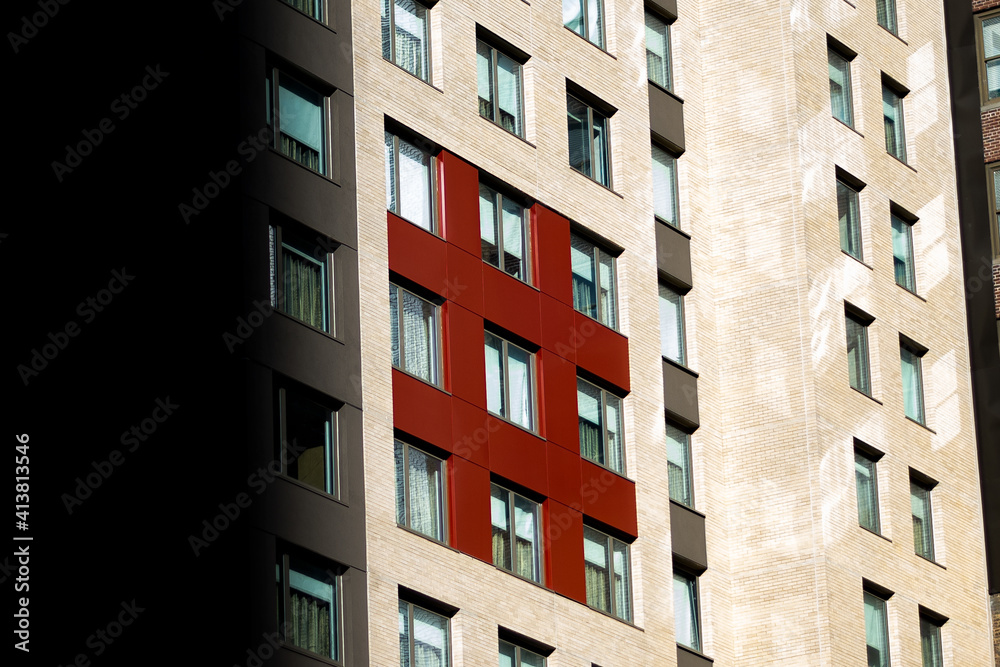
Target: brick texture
[(983, 5), (991, 135), (996, 287)]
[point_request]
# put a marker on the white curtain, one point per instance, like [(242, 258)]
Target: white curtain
[(671, 325), (425, 494), (602, 155), (390, 173), (519, 367), (494, 376), (686, 611), (623, 594), (595, 21), (678, 465), (411, 37), (415, 185), (488, 225), (657, 51), (665, 186), (313, 614), (595, 554), (614, 446), (525, 532), (513, 239), (419, 332), (500, 517), (430, 639)]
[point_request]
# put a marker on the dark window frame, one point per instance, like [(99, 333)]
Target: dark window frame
[(539, 555), (437, 379), (428, 47), (275, 72), (281, 237), (283, 567), (591, 110), (445, 512)]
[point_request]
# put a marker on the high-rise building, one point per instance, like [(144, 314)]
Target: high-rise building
[(467, 232)]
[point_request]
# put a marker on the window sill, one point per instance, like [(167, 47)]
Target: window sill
[(523, 282), (407, 220), (596, 46), (893, 34), (610, 470), (849, 127), (902, 162), (278, 311), (403, 69), (593, 180), (859, 261), (989, 105), (872, 532), (515, 425), (924, 426), (680, 366), (928, 560), (312, 489), (667, 91), (420, 379), (909, 291), (411, 531), (524, 579), (506, 131), (594, 319), (868, 396), (309, 654), (616, 618), (694, 651)]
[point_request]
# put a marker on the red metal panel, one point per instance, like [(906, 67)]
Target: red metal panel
[(557, 400), (564, 543), (519, 456), (558, 332), (609, 498), (421, 410), (511, 304), (465, 279), (564, 471), (551, 256), (470, 504), (468, 359), (470, 430), (417, 254), (602, 351), (459, 187)]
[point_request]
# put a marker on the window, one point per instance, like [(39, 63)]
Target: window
[(503, 231), (866, 480), (994, 179), (589, 145), (308, 447), (930, 641), (686, 615), (886, 11), (297, 119), (672, 345), (923, 522), (408, 181), (585, 18), (841, 101), (308, 607), (913, 383), (989, 56), (607, 574), (499, 83), (510, 382), (892, 110), (849, 213), (313, 8), (665, 187), (515, 656), (424, 637), (413, 322), (658, 65), (902, 253), (601, 438), (420, 492), (876, 630), (679, 466), (857, 353), (518, 550), (300, 276), (405, 37), (593, 281)]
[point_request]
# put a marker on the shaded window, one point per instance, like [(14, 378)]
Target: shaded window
[(849, 214), (607, 572), (516, 656), (589, 144), (679, 466), (408, 180), (510, 382), (420, 492), (301, 277), (876, 630), (857, 353), (923, 522), (594, 292), (686, 613), (902, 253), (841, 101), (585, 18), (414, 323), (658, 65), (665, 206), (866, 482), (308, 606), (930, 642), (601, 438), (424, 637), (313, 8), (516, 533), (297, 118), (499, 80), (504, 234), (886, 12), (405, 36), (308, 432), (913, 382), (672, 345), (892, 111)]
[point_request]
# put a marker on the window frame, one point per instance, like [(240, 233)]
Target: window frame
[(591, 110), (505, 384), (432, 181), (518, 660), (596, 254), (603, 426), (899, 93), (495, 52), (538, 550), (883, 598), (926, 485), (687, 469), (273, 87), (323, 11), (668, 69), (992, 185), (437, 372), (283, 568), (693, 581), (673, 185), (984, 90), (411, 635), (278, 233), (331, 451), (853, 188), (610, 542), (863, 322), (443, 500), (681, 321), (428, 47), (891, 17), (848, 84), (872, 457), (936, 621), (498, 201), (918, 352), (585, 10), (907, 221)]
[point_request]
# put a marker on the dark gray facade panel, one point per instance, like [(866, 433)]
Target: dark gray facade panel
[(680, 395), (687, 537), (686, 658), (673, 254), (666, 118), (667, 8), (975, 218)]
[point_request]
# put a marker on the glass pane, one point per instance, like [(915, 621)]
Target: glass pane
[(313, 614), (615, 444), (595, 22), (420, 337), (930, 643), (400, 484), (993, 78), (579, 135), (300, 123), (313, 8), (404, 635), (304, 285), (309, 433), (584, 278), (602, 150), (390, 174), (394, 325), (509, 94), (484, 79), (923, 527), (411, 37), (657, 51), (430, 639), (529, 659), (867, 488), (686, 611), (892, 110), (508, 655), (876, 631), (623, 593), (609, 306), (671, 325), (495, 400), (514, 241), (665, 186), (902, 254), (857, 355), (415, 185), (913, 391), (488, 220), (500, 516), (573, 15), (595, 554), (840, 87), (588, 402), (679, 465), (521, 397), (526, 532), (850, 220), (991, 37), (386, 30), (886, 12), (426, 494)]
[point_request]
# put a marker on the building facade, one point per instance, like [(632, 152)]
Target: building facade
[(471, 229)]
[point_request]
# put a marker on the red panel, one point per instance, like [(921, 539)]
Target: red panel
[(470, 500), (470, 428), (421, 410), (551, 257), (511, 304), (564, 475), (609, 498), (602, 351), (465, 279), (417, 254), (564, 542), (557, 399), (519, 456), (459, 186), (468, 360), (558, 333)]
